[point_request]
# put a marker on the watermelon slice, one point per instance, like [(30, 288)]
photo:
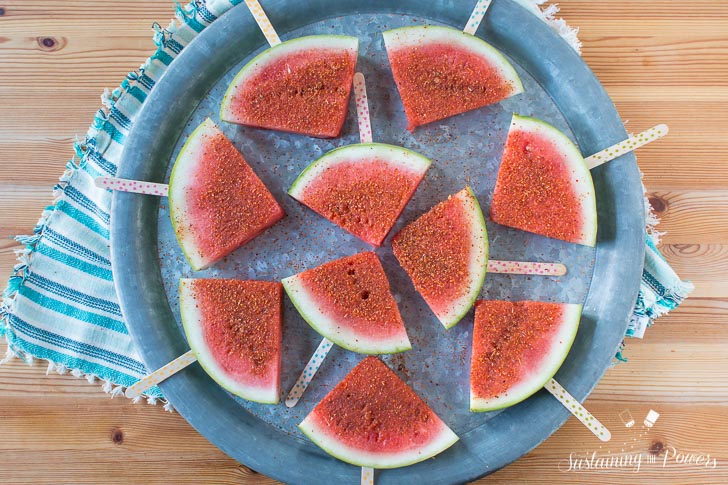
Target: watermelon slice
[(517, 348), (300, 86), (234, 329), (445, 253), (373, 419), (216, 201), (441, 72), (349, 302), (362, 188), (543, 185)]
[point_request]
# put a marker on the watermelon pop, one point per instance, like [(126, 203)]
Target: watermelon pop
[(298, 86)]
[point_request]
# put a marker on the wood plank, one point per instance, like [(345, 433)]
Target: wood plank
[(696, 429), (692, 217), (22, 207), (706, 265), (88, 17)]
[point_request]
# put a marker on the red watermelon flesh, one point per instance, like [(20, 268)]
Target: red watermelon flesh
[(349, 302), (445, 253), (441, 72), (299, 86), (362, 188), (517, 348), (217, 203), (234, 328), (543, 184), (372, 418)]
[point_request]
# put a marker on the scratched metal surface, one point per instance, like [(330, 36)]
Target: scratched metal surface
[(465, 149)]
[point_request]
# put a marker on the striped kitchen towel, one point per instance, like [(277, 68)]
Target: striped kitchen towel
[(60, 304)]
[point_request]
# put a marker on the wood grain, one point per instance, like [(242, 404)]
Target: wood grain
[(661, 61), (691, 216)]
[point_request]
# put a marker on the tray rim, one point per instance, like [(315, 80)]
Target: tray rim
[(130, 215)]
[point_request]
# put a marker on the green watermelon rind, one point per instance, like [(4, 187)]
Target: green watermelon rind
[(356, 457), (184, 169), (585, 185), (328, 42), (195, 339), (478, 264), (420, 35), (393, 154), (327, 327), (547, 369)]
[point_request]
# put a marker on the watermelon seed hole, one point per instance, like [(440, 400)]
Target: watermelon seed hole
[(364, 295)]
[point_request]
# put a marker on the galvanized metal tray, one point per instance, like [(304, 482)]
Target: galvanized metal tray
[(466, 149)]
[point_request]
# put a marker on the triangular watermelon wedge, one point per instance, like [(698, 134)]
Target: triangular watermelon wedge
[(441, 72), (517, 348), (543, 184), (349, 302), (299, 86), (234, 328), (363, 188), (216, 202), (445, 253), (373, 419)]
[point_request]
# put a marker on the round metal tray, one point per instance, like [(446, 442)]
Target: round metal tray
[(265, 439)]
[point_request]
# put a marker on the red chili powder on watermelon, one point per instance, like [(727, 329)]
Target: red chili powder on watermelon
[(509, 339), (357, 294), (230, 204), (534, 191), (436, 81), (374, 410), (241, 324), (305, 92), (363, 197), (435, 252)]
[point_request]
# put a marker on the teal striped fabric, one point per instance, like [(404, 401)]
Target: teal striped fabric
[(60, 304)]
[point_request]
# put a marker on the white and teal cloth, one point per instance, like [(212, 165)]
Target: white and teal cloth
[(60, 304)]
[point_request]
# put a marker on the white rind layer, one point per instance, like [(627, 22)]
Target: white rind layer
[(478, 260), (555, 356), (191, 321), (418, 36), (268, 56), (397, 157), (184, 171), (580, 174), (358, 457), (327, 327)]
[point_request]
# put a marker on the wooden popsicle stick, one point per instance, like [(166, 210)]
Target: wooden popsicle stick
[(308, 372), (134, 186), (263, 22), (476, 17), (367, 476), (628, 145), (575, 407), (362, 108), (526, 267), (160, 374)]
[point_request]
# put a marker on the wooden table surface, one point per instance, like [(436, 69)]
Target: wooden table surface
[(661, 61)]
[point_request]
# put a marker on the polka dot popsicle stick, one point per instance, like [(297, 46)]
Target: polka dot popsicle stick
[(362, 108), (578, 410), (526, 267), (367, 476), (308, 372), (135, 186), (476, 17), (628, 145), (263, 22), (160, 374)]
